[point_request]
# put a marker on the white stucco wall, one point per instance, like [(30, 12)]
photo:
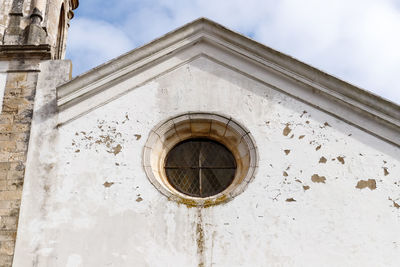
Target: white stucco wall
[(88, 203)]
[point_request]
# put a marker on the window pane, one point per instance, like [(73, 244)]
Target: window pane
[(214, 181), (185, 154), (200, 167), (215, 155), (185, 180)]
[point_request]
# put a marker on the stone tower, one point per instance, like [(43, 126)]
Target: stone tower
[(32, 32), (42, 23)]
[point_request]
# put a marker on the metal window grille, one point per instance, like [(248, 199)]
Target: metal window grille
[(200, 167)]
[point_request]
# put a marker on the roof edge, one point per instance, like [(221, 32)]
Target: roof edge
[(307, 71), (365, 101), (136, 54)]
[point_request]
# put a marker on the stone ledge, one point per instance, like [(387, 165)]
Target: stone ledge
[(42, 52)]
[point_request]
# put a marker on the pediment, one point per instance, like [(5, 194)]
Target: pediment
[(206, 39)]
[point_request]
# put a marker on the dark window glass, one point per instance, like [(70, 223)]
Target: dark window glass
[(200, 167)]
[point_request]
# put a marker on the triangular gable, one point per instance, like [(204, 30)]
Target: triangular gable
[(204, 38)]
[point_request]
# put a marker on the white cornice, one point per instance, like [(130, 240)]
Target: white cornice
[(356, 106)]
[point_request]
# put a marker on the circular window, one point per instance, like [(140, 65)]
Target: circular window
[(200, 159), (200, 167)]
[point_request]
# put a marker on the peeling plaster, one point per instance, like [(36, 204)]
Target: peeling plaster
[(385, 171), (322, 160), (396, 205), (318, 179), (108, 137), (155, 230), (115, 150), (108, 184), (286, 130), (341, 159), (370, 183), (306, 187)]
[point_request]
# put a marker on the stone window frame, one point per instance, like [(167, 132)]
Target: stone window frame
[(220, 128)]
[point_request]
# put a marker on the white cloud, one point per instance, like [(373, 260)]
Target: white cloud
[(93, 42), (355, 40)]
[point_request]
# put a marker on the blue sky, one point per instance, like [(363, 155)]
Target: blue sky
[(355, 40)]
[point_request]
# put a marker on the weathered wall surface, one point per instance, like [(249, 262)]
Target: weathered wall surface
[(52, 73), (52, 22), (325, 193), (19, 73), (17, 27), (19, 81), (5, 7)]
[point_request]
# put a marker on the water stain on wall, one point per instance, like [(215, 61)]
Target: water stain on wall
[(200, 238)]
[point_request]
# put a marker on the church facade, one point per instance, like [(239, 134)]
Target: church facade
[(201, 148)]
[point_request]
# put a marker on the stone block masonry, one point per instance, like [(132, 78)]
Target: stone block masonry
[(15, 121)]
